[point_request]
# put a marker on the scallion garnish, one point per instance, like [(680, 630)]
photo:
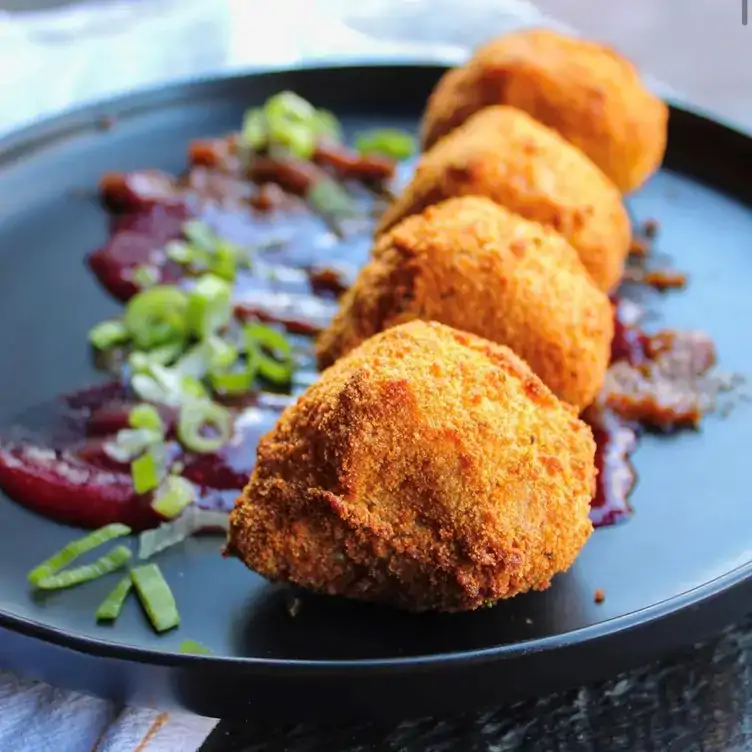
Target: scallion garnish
[(141, 362), (108, 334), (180, 252), (196, 421), (76, 548), (156, 316), (146, 416), (145, 276), (327, 126), (290, 123), (330, 199), (253, 134), (117, 558), (271, 352), (224, 262), (192, 647), (146, 471), (131, 442), (199, 234), (156, 597), (209, 306), (390, 142), (231, 382), (221, 353), (110, 608), (173, 497)]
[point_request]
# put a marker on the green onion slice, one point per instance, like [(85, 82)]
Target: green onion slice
[(180, 252), (277, 367), (156, 316), (200, 235), (231, 382), (253, 133), (116, 559), (389, 142), (330, 199), (76, 548), (156, 597), (131, 442), (196, 419), (221, 353), (146, 416), (209, 306), (173, 497), (147, 471), (110, 608), (192, 647), (327, 126), (108, 334), (224, 262), (145, 276)]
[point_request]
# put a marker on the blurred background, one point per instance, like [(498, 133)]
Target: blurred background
[(57, 53)]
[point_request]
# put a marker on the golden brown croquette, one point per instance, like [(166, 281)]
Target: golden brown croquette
[(475, 266), (586, 91), (427, 469), (502, 153)]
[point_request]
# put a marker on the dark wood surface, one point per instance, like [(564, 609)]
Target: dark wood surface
[(699, 701)]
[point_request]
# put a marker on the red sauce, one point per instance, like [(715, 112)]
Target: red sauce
[(299, 269)]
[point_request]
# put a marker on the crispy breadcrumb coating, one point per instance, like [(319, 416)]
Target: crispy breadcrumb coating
[(427, 469), (475, 266), (502, 153), (586, 91)]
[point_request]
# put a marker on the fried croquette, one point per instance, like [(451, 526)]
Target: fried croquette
[(428, 469), (502, 153), (475, 266), (587, 92)]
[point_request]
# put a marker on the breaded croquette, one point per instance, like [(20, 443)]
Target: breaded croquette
[(502, 153), (475, 266), (427, 469), (587, 92)]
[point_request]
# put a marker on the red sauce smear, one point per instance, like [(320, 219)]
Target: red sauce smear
[(300, 267)]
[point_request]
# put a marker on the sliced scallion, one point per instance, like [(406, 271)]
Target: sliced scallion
[(156, 597), (327, 126), (145, 416), (110, 608), (390, 142), (221, 353), (192, 388), (330, 199), (173, 497), (253, 134), (261, 340), (146, 472), (145, 276), (76, 548), (180, 252), (131, 442), (156, 316), (117, 558), (197, 419), (209, 306), (192, 647), (200, 235), (231, 382), (108, 334), (224, 262)]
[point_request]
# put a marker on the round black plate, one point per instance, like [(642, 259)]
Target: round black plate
[(676, 571)]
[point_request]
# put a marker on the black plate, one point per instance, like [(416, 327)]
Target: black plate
[(678, 570)]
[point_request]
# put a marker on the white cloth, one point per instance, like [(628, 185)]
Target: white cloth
[(63, 58)]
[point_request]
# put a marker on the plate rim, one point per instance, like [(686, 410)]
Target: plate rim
[(34, 136)]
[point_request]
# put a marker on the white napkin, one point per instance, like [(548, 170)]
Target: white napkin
[(59, 59)]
